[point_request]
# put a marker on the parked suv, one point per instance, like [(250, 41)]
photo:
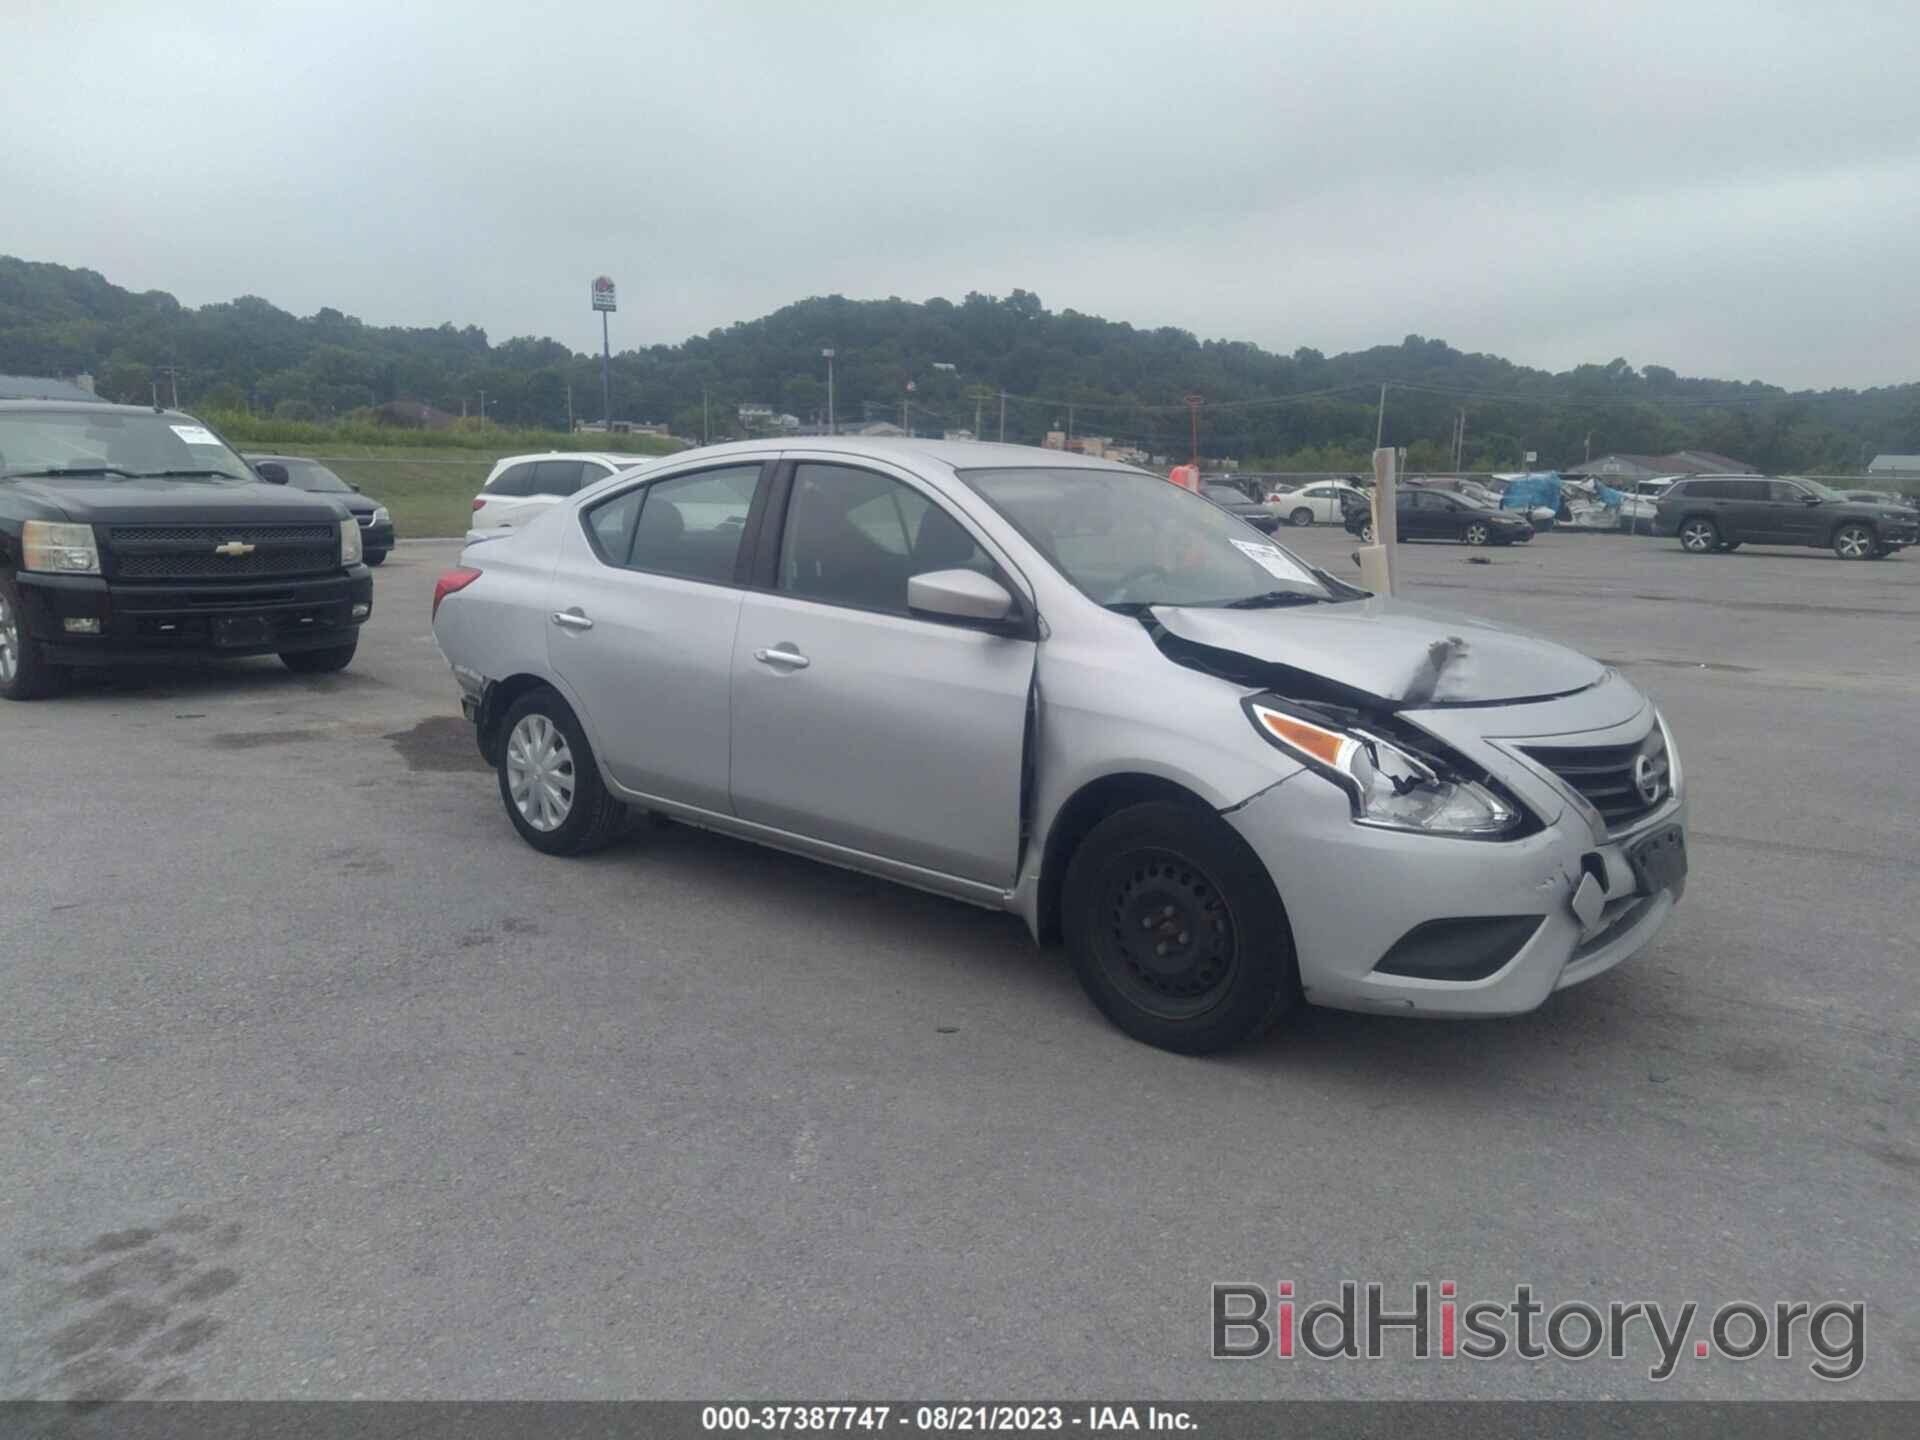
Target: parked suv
[(1056, 686), (1724, 512), (137, 535), (521, 486)]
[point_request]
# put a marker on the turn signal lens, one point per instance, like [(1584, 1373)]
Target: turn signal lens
[(1329, 747)]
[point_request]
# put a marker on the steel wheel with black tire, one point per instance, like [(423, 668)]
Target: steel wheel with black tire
[(1699, 537), (321, 662), (1477, 533), (1176, 931), (1302, 516), (1854, 542), (550, 782), (24, 675)]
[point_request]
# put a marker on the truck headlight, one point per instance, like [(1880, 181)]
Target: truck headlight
[(60, 549), (380, 516), (1388, 786), (349, 542)]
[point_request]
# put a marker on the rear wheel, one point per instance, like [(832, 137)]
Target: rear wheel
[(1302, 516), (1854, 542), (550, 782), (320, 662), (1176, 931), (1699, 537), (24, 675), (1366, 532)]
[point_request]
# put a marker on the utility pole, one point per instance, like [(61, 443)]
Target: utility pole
[(1003, 416), (483, 406), (1589, 454), (831, 429), (1069, 427), (569, 407), (1194, 403), (706, 430), (979, 404), (1380, 424), (156, 394)]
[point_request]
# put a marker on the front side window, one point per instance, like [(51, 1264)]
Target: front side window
[(691, 525), (1786, 493), (1126, 539), (853, 537), (316, 478)]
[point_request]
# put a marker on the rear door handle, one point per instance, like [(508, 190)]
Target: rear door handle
[(780, 657), (574, 619)]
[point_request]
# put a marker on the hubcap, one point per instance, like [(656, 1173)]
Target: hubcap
[(540, 773), (1476, 534), (9, 644), (1166, 938), (1366, 533), (1854, 543), (1698, 537)]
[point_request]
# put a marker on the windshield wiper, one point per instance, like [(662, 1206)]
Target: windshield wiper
[(187, 474), (1272, 599), (74, 470)]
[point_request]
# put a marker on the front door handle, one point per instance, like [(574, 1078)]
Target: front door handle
[(782, 657), (574, 619)]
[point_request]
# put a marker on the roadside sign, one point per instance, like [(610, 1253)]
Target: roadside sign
[(603, 296), (1532, 455)]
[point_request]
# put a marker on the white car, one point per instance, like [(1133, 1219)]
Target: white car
[(521, 486), (1316, 504)]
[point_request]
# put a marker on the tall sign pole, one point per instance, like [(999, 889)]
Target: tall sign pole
[(606, 303), (1194, 402), (832, 429)]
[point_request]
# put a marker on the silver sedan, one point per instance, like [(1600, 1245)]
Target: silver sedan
[(1226, 780)]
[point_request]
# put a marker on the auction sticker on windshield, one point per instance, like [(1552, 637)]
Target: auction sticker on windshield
[(1272, 559), (195, 434)]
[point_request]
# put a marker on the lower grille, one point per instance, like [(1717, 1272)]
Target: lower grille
[(168, 552), (1622, 782)]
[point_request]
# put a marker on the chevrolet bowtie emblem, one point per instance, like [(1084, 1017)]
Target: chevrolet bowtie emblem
[(234, 548)]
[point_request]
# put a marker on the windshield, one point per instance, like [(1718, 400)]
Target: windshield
[(308, 475), (112, 442), (1124, 538)]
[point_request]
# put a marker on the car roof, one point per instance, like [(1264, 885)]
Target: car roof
[(612, 457), (954, 454), (86, 407)]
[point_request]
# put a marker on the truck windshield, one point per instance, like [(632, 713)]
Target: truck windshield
[(114, 443), (1126, 539)]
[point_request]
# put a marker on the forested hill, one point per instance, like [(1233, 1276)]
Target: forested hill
[(1305, 410)]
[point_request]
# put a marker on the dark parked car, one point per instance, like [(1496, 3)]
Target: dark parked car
[(1724, 512), (376, 525), (135, 535), (1256, 513), (1442, 515)]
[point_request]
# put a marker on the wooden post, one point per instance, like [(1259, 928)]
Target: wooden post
[(1377, 560)]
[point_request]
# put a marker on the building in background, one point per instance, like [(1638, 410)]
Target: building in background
[(39, 387), (1616, 468), (1895, 467)]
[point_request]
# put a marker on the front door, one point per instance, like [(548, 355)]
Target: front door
[(861, 725), (1793, 520), (644, 606)]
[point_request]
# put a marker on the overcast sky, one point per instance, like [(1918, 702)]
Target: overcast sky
[(1729, 189)]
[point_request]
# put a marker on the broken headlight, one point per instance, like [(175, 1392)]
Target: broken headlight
[(1388, 785)]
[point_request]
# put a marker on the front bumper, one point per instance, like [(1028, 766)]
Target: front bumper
[(1354, 892), (377, 539), (143, 624)]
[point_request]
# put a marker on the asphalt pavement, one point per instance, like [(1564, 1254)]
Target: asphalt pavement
[(316, 1082)]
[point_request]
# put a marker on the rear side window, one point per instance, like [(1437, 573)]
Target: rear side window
[(691, 525), (513, 482), (556, 477), (1703, 490)]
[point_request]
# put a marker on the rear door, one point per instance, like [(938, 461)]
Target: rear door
[(856, 723), (1749, 510), (645, 601)]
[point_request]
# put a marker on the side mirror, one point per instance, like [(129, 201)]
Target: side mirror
[(964, 595), (271, 471), (353, 487), (1811, 500)]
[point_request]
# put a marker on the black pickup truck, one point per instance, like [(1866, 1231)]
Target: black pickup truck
[(130, 535)]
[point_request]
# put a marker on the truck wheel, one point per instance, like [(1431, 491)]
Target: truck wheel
[(320, 662), (549, 780), (1853, 542), (1176, 931), (24, 675), (375, 557)]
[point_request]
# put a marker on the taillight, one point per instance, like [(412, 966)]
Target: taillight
[(451, 583), (478, 501)]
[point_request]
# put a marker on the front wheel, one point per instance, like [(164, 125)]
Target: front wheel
[(1176, 931), (1853, 542), (550, 782), (1699, 537), (375, 557), (24, 675), (1477, 533), (1302, 516), (1366, 532), (320, 662)]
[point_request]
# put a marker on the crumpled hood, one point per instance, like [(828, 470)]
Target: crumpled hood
[(1406, 655), (107, 501)]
